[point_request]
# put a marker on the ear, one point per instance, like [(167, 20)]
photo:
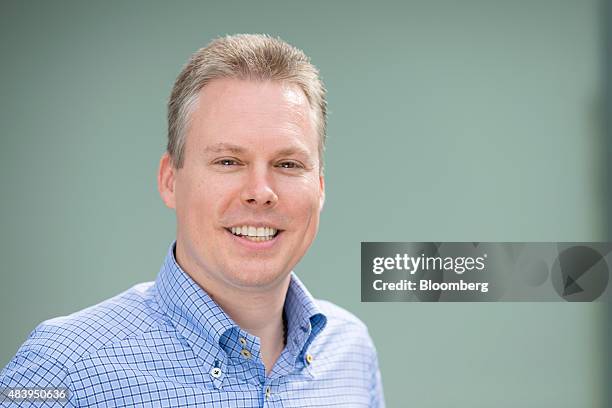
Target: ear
[(166, 176), (322, 192)]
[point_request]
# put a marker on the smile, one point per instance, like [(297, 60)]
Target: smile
[(255, 234)]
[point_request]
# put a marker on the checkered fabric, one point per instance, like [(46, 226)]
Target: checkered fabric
[(168, 344)]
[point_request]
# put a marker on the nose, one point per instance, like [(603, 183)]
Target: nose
[(258, 191)]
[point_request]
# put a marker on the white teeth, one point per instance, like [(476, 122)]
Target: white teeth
[(257, 239), (255, 233)]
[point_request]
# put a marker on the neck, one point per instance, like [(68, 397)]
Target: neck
[(259, 311), (260, 314)]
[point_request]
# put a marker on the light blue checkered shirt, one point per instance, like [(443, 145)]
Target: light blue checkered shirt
[(167, 343)]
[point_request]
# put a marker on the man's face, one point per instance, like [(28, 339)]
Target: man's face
[(250, 160)]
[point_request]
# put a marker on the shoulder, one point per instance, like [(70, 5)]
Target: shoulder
[(65, 340), (343, 324), (344, 352), (338, 315)]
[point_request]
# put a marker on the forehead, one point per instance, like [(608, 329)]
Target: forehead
[(249, 112)]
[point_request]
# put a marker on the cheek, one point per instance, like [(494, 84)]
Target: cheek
[(212, 199), (194, 200), (303, 199)]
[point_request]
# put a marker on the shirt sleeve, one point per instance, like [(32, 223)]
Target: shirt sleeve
[(377, 398), (29, 369)]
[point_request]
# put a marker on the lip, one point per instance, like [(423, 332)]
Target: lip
[(252, 245), (254, 224)]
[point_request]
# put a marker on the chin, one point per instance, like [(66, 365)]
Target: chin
[(257, 277)]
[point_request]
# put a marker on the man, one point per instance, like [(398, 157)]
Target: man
[(226, 323)]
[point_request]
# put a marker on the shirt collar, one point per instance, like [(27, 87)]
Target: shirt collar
[(202, 322), (304, 318), (192, 312)]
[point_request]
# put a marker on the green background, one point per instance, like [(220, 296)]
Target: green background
[(449, 121)]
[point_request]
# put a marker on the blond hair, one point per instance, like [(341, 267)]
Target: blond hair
[(242, 56)]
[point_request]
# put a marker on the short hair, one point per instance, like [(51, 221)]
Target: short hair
[(243, 56)]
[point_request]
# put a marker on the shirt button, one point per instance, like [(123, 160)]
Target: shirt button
[(242, 341), (268, 391), (215, 372), (309, 358), (245, 353)]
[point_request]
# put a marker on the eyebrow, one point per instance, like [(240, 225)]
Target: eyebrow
[(223, 147), (235, 149), (289, 151)]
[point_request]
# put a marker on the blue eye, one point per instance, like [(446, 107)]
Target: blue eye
[(226, 162), (289, 165)]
